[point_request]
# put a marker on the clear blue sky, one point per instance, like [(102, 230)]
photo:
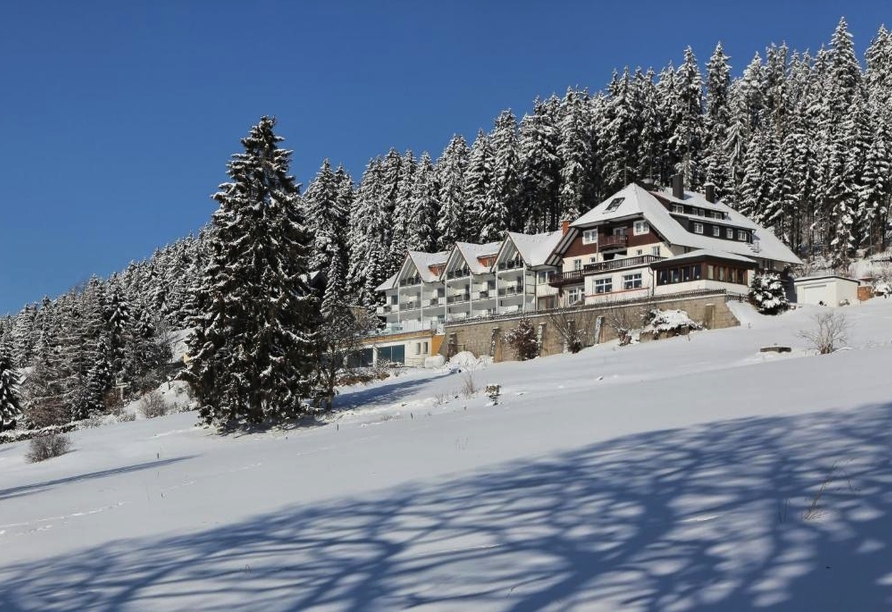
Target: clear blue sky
[(118, 117)]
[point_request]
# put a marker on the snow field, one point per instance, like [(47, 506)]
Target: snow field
[(681, 474)]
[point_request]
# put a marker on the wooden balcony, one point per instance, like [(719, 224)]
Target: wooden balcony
[(612, 243), (576, 276)]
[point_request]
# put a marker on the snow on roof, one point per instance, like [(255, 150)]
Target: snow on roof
[(390, 283), (638, 201), (423, 262), (535, 248), (808, 279), (708, 253), (471, 253)]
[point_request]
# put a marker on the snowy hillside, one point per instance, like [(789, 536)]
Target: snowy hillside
[(684, 474)]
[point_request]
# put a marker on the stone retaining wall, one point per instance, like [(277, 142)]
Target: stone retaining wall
[(486, 337)]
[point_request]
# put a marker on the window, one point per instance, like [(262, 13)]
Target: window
[(718, 215), (417, 348), (710, 271), (614, 204), (655, 251), (639, 251), (394, 299), (701, 212), (716, 231), (678, 208), (698, 228), (641, 227), (577, 264), (729, 233), (425, 347), (632, 281), (604, 285), (593, 260), (741, 235), (590, 236), (620, 231), (575, 295)]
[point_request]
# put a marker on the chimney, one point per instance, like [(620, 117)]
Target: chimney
[(565, 226), (678, 186), (710, 192)]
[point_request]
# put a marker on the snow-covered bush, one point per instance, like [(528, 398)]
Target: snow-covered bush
[(882, 287), (767, 294), (829, 333), (522, 338), (153, 404), (47, 446), (668, 323)]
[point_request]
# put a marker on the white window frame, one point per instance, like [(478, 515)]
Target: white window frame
[(655, 251), (729, 233), (590, 236), (716, 231), (603, 285), (635, 280), (698, 228), (620, 231), (575, 294), (718, 215), (678, 208), (741, 235), (641, 227), (577, 265)]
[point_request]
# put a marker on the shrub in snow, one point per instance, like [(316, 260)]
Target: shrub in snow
[(767, 294), (829, 333), (47, 446), (522, 338), (882, 288), (668, 323), (153, 405)]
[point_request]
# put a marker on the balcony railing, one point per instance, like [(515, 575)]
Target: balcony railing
[(482, 295), (510, 265), (458, 273), (510, 290), (458, 299), (575, 276), (612, 242), (409, 282)]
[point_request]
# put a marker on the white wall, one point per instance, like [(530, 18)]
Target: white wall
[(830, 291)]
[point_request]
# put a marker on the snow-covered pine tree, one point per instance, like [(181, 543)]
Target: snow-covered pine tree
[(24, 336), (716, 120), (540, 166), (402, 212), (506, 176), (252, 345), (425, 207), (687, 134), (10, 402), (488, 217), (577, 188), (651, 138), (618, 132), (326, 217), (368, 238), (451, 167), (840, 141), (745, 100), (767, 294)]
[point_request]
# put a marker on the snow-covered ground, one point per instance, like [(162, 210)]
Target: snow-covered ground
[(684, 474)]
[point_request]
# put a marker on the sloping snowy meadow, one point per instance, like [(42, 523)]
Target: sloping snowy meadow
[(693, 473)]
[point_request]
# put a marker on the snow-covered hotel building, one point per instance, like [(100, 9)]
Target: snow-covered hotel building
[(639, 242)]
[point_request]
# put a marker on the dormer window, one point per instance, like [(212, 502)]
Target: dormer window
[(729, 234), (741, 235), (590, 236), (614, 204), (718, 215), (716, 231), (678, 208), (698, 228)]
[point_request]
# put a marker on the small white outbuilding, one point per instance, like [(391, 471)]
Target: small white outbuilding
[(829, 290)]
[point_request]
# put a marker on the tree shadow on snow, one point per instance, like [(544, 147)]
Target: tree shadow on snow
[(770, 513), (40, 487), (386, 393)]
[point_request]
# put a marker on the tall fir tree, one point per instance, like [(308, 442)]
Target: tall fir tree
[(716, 120), (252, 344), (540, 166), (10, 402), (506, 177), (425, 207), (454, 214)]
